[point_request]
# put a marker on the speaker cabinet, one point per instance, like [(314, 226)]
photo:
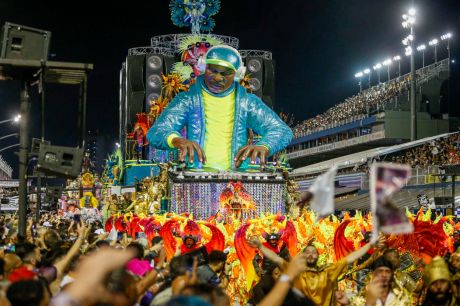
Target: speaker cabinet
[(60, 161), (262, 78), (144, 82), (21, 42)]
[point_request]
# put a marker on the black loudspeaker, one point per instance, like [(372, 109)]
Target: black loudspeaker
[(155, 66), (262, 78), (60, 161), (21, 42), (268, 91), (144, 81), (255, 69), (135, 87), (35, 146)]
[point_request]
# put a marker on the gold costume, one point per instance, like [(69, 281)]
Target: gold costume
[(401, 297), (437, 269), (319, 284)]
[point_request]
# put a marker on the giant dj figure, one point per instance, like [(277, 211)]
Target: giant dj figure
[(217, 111)]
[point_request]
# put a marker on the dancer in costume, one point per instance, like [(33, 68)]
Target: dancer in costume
[(217, 112), (139, 144)]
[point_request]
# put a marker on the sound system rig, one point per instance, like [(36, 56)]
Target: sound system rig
[(22, 42), (141, 76), (60, 161)]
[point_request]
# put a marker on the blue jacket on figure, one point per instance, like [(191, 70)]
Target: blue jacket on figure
[(187, 110)]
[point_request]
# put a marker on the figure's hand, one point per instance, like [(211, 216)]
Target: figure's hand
[(305, 198), (297, 265), (89, 286), (253, 152), (341, 297), (374, 291), (188, 148), (254, 242)]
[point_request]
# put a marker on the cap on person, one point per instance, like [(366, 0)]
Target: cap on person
[(225, 56), (437, 269)]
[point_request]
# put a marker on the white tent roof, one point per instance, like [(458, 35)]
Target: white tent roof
[(361, 157)]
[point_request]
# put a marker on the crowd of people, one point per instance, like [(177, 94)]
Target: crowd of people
[(64, 261), (439, 152), (354, 108)]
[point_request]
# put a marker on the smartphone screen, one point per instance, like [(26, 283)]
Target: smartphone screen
[(77, 218)]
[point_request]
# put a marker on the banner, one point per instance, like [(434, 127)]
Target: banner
[(323, 191), (385, 180)]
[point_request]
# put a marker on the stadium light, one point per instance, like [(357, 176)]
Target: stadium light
[(422, 48), (397, 58), (377, 67), (408, 51), (408, 23), (16, 118), (387, 63), (359, 75), (447, 37), (368, 72), (434, 43)]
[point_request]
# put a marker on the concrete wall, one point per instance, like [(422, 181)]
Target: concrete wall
[(397, 125)]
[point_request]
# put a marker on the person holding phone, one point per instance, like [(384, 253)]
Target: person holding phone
[(381, 289)]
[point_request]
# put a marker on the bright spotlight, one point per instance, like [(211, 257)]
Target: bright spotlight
[(408, 51), (396, 58), (387, 62), (433, 42), (412, 11), (367, 71), (421, 48), (446, 36)]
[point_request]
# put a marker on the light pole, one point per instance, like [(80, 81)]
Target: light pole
[(447, 37), (387, 63), (359, 76), (408, 23), (377, 68), (422, 48), (397, 58), (368, 72), (434, 44)]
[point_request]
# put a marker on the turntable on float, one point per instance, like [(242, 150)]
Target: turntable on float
[(197, 191)]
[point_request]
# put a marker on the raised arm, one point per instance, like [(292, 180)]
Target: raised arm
[(269, 254), (277, 295)]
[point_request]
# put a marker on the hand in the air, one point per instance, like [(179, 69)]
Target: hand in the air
[(305, 198), (253, 152), (188, 148)]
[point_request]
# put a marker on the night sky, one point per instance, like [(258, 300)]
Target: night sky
[(318, 47)]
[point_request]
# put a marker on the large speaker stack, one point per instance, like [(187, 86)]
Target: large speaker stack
[(260, 68), (143, 82)]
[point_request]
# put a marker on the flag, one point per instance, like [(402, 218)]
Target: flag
[(385, 180), (323, 193)]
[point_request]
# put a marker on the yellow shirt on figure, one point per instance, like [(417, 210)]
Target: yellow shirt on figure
[(219, 115)]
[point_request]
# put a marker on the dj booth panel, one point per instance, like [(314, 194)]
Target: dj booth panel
[(201, 198)]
